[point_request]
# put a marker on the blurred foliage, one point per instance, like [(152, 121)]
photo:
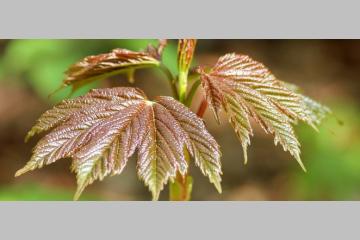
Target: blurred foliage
[(36, 192), (41, 63), (332, 158)]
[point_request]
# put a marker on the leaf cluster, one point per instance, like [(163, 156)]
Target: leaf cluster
[(101, 130)]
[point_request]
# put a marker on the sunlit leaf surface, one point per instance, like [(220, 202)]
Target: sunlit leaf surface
[(246, 89), (104, 65), (102, 129)]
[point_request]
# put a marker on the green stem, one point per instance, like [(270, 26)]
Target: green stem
[(182, 85), (180, 189), (191, 93), (171, 80)]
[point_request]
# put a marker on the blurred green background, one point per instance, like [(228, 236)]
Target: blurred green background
[(327, 70)]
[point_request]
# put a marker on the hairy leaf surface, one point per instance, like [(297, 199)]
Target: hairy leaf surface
[(186, 49), (246, 89), (101, 130), (105, 65)]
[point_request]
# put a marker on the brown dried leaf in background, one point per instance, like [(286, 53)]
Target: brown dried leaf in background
[(105, 65), (103, 128), (245, 88)]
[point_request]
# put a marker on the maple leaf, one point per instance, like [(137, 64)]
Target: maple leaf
[(101, 130), (104, 65), (246, 89)]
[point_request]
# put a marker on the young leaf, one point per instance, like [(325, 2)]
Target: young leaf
[(245, 88), (186, 49), (103, 128), (156, 52), (105, 65)]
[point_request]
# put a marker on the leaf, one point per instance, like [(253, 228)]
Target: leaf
[(186, 49), (101, 130), (105, 65), (201, 145), (246, 89), (156, 52), (314, 111)]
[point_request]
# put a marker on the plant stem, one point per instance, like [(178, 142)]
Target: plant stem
[(182, 85), (171, 80), (192, 92), (202, 108), (181, 188)]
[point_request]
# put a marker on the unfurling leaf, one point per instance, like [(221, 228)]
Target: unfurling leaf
[(105, 65), (186, 49), (103, 128), (246, 89)]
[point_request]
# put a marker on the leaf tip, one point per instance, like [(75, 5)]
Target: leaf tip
[(61, 87), (78, 192), (218, 186), (300, 163), (29, 135), (245, 154), (21, 171), (315, 127), (217, 119), (155, 195), (76, 196)]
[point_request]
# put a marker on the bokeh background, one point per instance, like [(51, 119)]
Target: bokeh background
[(327, 70)]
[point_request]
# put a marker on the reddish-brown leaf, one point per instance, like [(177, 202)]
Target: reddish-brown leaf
[(102, 129), (186, 49), (246, 89), (105, 65)]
